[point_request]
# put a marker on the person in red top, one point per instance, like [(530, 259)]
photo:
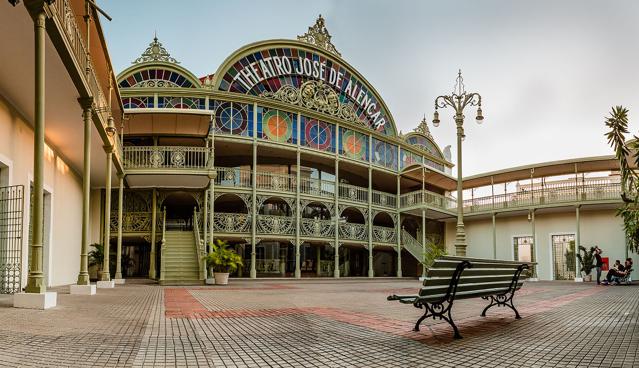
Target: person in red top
[(599, 263)]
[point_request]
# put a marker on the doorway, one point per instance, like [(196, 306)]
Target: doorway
[(563, 253), (179, 210)]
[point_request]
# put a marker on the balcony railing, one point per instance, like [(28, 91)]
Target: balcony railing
[(166, 157), (546, 196), (353, 193), (133, 222), (275, 225), (553, 194), (383, 234), (231, 177), (232, 222), (384, 199), (317, 187), (353, 231), (317, 228), (275, 181)]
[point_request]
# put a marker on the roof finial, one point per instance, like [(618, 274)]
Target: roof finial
[(155, 52), (423, 128), (318, 35)]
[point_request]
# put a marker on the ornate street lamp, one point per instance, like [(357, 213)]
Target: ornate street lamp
[(458, 100)]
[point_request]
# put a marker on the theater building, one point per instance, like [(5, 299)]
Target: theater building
[(285, 151)]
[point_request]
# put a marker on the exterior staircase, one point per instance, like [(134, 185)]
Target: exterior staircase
[(414, 246), (181, 260)]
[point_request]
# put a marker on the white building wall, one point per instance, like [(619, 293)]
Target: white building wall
[(597, 227), (64, 190)]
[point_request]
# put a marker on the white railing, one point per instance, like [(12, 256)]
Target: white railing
[(353, 231), (353, 193), (383, 234), (166, 157), (317, 228), (275, 225), (427, 198), (384, 199), (317, 187), (232, 177), (553, 194), (275, 182), (231, 222)]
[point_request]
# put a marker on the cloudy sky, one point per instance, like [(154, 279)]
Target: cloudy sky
[(548, 71)]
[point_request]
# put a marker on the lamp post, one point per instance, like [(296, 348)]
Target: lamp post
[(459, 99)]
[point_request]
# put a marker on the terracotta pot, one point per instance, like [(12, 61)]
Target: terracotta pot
[(221, 278)]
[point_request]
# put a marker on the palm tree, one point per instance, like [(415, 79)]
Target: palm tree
[(617, 124)]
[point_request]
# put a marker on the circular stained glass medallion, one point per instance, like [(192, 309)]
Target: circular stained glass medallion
[(277, 126), (230, 118), (318, 134), (353, 144)]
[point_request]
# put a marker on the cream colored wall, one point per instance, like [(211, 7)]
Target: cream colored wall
[(65, 189), (597, 227)]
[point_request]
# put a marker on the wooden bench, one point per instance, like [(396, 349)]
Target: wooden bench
[(451, 278)]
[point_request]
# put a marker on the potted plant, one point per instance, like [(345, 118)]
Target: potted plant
[(222, 261), (587, 260), (96, 258)]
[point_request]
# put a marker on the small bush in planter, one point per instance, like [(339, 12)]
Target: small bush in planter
[(222, 261), (586, 260)]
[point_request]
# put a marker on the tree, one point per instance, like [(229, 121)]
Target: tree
[(617, 124)]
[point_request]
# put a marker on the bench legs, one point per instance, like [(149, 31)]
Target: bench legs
[(502, 300), (437, 310)]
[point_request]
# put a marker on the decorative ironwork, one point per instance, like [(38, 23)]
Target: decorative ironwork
[(423, 128), (277, 225), (506, 299), (232, 222), (353, 231), (318, 35), (383, 234), (155, 52), (317, 228), (166, 157), (315, 95), (132, 222), (11, 226)]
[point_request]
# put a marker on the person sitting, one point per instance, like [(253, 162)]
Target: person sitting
[(617, 270), (620, 272)]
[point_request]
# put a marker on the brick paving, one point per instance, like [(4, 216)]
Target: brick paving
[(320, 323)]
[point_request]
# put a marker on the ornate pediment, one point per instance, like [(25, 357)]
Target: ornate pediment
[(423, 128), (318, 35), (315, 95), (155, 52)]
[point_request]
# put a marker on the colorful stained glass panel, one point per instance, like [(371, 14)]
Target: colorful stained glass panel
[(233, 118), (353, 144), (277, 126), (318, 134)]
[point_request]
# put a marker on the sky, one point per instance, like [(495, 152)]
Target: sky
[(548, 71)]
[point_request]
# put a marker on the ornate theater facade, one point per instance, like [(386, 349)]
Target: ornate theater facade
[(286, 152)]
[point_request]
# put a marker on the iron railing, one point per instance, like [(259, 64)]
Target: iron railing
[(317, 228), (232, 177), (11, 226), (231, 222), (275, 181), (166, 157), (383, 234), (353, 193), (133, 222), (353, 231), (275, 225), (317, 187)]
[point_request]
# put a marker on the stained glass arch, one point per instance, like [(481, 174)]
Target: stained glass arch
[(267, 66), (157, 75), (425, 144)]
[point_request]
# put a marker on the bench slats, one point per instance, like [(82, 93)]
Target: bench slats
[(453, 264), (441, 289), (448, 272), (467, 279), (465, 294)]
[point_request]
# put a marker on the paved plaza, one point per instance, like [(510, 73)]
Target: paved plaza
[(320, 323)]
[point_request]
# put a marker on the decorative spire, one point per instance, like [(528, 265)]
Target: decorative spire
[(423, 128), (155, 52), (318, 35)]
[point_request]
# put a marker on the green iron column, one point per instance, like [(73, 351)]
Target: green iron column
[(118, 254), (371, 272), (338, 214), (83, 276), (106, 276), (398, 232), (494, 235), (35, 281), (423, 239), (253, 273), (534, 239), (211, 208), (577, 243), (298, 217), (154, 218)]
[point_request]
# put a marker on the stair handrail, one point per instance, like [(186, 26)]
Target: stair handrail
[(163, 245), (199, 245)]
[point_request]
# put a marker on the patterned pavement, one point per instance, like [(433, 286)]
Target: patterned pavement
[(320, 323)]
